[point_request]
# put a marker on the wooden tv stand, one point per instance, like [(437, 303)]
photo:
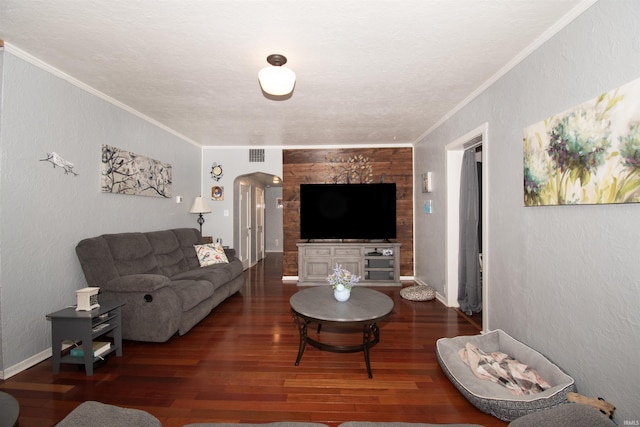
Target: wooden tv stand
[(317, 260)]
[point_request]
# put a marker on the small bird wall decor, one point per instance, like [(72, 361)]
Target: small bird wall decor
[(55, 159)]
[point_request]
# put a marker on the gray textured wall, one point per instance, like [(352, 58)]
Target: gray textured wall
[(563, 279), (236, 166), (44, 213)]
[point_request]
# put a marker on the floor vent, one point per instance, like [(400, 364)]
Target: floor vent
[(256, 155)]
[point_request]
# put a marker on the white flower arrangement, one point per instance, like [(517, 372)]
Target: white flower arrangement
[(342, 279)]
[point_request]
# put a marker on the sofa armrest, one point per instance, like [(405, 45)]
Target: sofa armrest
[(137, 283), (230, 253)]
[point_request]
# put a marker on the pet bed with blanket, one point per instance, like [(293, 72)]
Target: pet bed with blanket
[(493, 398)]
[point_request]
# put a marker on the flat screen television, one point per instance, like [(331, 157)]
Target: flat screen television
[(348, 211)]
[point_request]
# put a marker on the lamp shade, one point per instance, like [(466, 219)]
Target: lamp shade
[(276, 79), (200, 206)]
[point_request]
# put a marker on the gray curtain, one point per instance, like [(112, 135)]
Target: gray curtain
[(469, 283)]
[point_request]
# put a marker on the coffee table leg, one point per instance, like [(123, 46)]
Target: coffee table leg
[(366, 337), (302, 328), (367, 343)]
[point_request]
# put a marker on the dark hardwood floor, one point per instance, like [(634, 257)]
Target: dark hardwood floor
[(475, 318), (237, 365)]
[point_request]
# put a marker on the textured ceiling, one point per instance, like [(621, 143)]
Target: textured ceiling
[(369, 72)]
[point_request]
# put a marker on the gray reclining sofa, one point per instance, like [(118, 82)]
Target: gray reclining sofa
[(158, 277)]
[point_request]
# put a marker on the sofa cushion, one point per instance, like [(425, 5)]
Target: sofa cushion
[(193, 292), (217, 274), (187, 238), (137, 283), (168, 252), (96, 261), (132, 254), (211, 253)]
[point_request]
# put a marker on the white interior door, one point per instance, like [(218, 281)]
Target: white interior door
[(259, 224), (244, 251)]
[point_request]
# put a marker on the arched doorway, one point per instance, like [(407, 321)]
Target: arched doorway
[(254, 223)]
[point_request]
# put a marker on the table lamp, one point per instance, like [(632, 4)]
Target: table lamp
[(200, 207)]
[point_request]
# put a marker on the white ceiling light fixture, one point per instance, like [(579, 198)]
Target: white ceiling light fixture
[(277, 80)]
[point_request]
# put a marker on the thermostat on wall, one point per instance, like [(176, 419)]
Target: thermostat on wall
[(87, 299)]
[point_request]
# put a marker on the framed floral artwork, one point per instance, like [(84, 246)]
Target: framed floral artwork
[(589, 154)]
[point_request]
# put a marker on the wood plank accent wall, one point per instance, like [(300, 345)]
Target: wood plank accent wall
[(312, 166)]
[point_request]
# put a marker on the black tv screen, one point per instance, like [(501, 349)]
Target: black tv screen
[(348, 211)]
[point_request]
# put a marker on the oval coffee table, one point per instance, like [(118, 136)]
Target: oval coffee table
[(317, 305)]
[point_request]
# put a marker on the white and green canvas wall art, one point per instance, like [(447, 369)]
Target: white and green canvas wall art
[(124, 172), (589, 154)]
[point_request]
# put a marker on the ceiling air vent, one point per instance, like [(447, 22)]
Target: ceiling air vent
[(256, 155)]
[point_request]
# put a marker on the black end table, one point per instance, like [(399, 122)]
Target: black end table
[(85, 326)]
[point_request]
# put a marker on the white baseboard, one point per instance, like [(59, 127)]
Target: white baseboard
[(25, 364), (31, 361), (420, 282), (439, 296)]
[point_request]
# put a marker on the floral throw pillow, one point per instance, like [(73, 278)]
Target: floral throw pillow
[(211, 253)]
